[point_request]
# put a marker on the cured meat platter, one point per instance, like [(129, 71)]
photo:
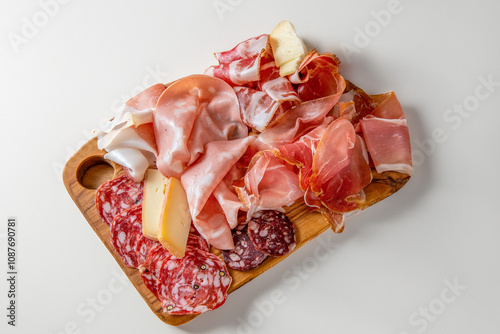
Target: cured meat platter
[(87, 170), (198, 186)]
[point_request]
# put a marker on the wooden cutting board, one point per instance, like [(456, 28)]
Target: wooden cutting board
[(87, 170)]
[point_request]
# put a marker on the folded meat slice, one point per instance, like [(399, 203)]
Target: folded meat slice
[(202, 179), (269, 184), (240, 65), (387, 106), (388, 141), (257, 108), (318, 76), (340, 168), (387, 136), (296, 122), (275, 95), (129, 137), (191, 113), (279, 88), (228, 198), (212, 224), (301, 153)]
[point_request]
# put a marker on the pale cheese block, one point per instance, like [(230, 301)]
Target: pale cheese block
[(287, 47), (175, 220), (155, 187), (291, 67)]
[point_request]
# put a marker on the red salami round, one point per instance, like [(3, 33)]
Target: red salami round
[(272, 232), (151, 267), (142, 248), (124, 232), (117, 195), (197, 283), (197, 241), (245, 255)]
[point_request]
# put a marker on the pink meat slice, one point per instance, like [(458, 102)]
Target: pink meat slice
[(117, 195), (125, 230), (150, 269), (197, 283)]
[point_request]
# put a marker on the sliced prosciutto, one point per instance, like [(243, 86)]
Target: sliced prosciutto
[(270, 183), (388, 141), (241, 64), (191, 113), (296, 122), (340, 168), (201, 180), (318, 76), (301, 154), (275, 95)]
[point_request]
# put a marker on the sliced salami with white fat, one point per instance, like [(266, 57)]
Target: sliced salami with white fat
[(272, 233), (142, 248), (151, 267), (125, 229), (117, 195), (245, 255), (197, 283)]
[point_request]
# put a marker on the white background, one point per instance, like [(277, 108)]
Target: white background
[(391, 269)]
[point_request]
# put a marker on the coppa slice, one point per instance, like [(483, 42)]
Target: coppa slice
[(117, 195), (197, 283), (272, 233), (245, 255), (124, 232)]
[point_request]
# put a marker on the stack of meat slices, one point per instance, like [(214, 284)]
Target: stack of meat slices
[(196, 283)]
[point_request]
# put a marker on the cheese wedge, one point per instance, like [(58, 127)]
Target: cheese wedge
[(287, 47), (175, 220), (155, 186)]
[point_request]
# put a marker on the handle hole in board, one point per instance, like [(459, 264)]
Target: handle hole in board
[(93, 172)]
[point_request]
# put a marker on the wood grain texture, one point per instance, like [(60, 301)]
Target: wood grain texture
[(87, 169)]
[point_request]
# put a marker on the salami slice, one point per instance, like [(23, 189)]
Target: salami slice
[(151, 267), (197, 283), (197, 241), (125, 229), (117, 195), (245, 255), (142, 248), (272, 232)]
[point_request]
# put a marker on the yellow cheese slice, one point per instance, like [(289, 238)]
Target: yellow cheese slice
[(291, 67), (287, 47), (175, 220), (155, 186)]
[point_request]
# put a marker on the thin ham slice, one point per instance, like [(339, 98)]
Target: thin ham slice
[(240, 65), (191, 113), (318, 76), (387, 136), (203, 178), (228, 198), (340, 168), (275, 95), (270, 183), (301, 154), (212, 224), (388, 141), (257, 107), (296, 122)]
